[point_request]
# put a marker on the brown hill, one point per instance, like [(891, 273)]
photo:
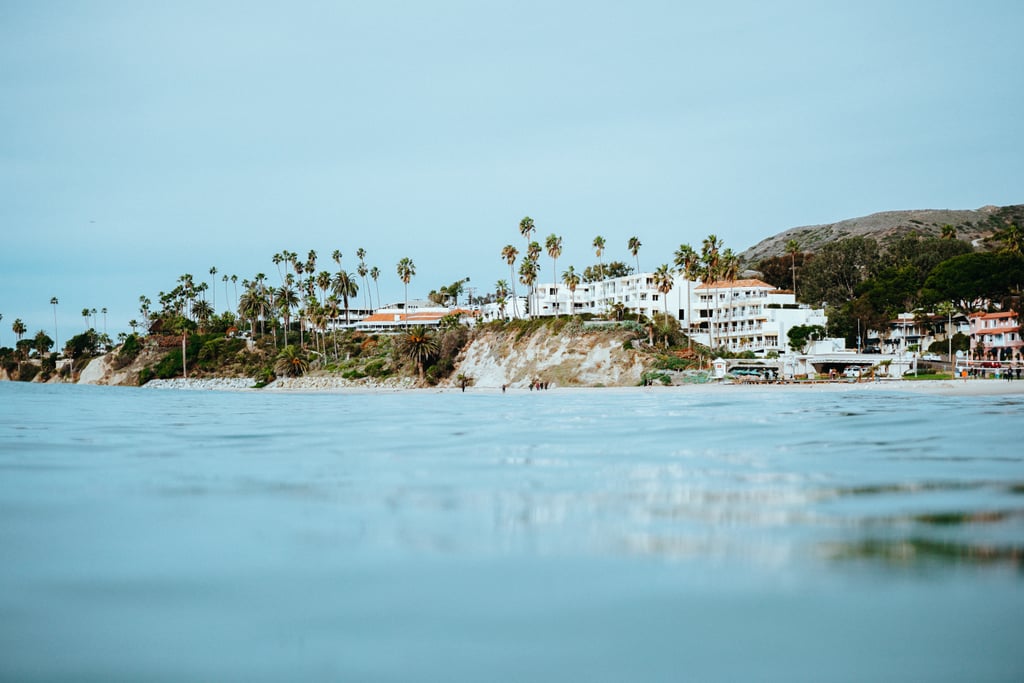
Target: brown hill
[(885, 226)]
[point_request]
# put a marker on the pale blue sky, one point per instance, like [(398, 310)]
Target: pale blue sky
[(143, 140)]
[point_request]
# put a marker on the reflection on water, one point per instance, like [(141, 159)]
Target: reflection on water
[(547, 536), (918, 552)]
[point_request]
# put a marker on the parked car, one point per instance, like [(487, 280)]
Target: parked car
[(854, 372), (931, 357)]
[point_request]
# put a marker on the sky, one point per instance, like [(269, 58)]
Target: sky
[(140, 141)]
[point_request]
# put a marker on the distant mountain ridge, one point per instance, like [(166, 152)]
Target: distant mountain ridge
[(971, 225)]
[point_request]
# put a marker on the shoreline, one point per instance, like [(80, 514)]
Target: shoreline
[(306, 385)]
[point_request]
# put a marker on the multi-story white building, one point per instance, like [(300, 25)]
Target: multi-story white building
[(742, 315), (632, 292), (749, 315)]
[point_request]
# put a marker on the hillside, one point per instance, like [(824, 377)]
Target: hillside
[(971, 225)]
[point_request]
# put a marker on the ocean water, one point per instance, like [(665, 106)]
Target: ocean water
[(568, 535)]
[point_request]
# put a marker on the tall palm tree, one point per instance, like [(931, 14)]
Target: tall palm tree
[(501, 294), (406, 269), (533, 251), (730, 268), (375, 276), (92, 312), (599, 245), (346, 287), (509, 253), (418, 345), (527, 228), (793, 248), (213, 280), (363, 271), (85, 316), (528, 276), (553, 245), (634, 248), (56, 339), (664, 282), (687, 262), (104, 312), (336, 257), (572, 280), (18, 327), (234, 284)]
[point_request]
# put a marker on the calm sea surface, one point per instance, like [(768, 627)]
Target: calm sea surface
[(602, 535)]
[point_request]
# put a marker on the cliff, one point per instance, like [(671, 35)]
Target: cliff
[(587, 357)]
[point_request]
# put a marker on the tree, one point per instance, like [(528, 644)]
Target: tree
[(509, 253), (611, 270), (406, 270), (54, 302), (664, 281), (527, 228), (572, 280), (948, 232), (553, 245), (42, 343), (687, 262), (634, 248), (793, 248), (418, 345), (18, 327), (375, 275), (346, 287), (501, 295), (291, 362), (970, 280), (528, 276), (85, 316), (363, 271), (710, 259), (213, 286), (598, 245), (838, 268), (801, 335)]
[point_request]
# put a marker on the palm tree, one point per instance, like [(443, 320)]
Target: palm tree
[(418, 345), (634, 248), (598, 245), (92, 312), (527, 228), (18, 327), (793, 248), (572, 280), (509, 253), (406, 270), (533, 251), (709, 257), (85, 316), (56, 339), (203, 311), (346, 287), (336, 257), (553, 245), (528, 276), (213, 280), (501, 294), (362, 270), (664, 282), (286, 299), (687, 262), (249, 307), (234, 284), (375, 275), (133, 323), (291, 362), (948, 232), (104, 312), (730, 267)]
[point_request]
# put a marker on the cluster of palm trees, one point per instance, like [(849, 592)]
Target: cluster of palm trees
[(711, 264)]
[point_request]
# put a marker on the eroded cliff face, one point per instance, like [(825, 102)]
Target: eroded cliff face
[(590, 358)]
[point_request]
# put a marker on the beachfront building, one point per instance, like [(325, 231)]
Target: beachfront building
[(741, 315), (749, 315), (996, 336), (396, 317), (630, 293)]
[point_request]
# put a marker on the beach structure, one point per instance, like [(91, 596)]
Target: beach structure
[(749, 315), (396, 317), (996, 336), (741, 315)]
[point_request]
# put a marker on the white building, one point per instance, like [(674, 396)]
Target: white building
[(742, 315)]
